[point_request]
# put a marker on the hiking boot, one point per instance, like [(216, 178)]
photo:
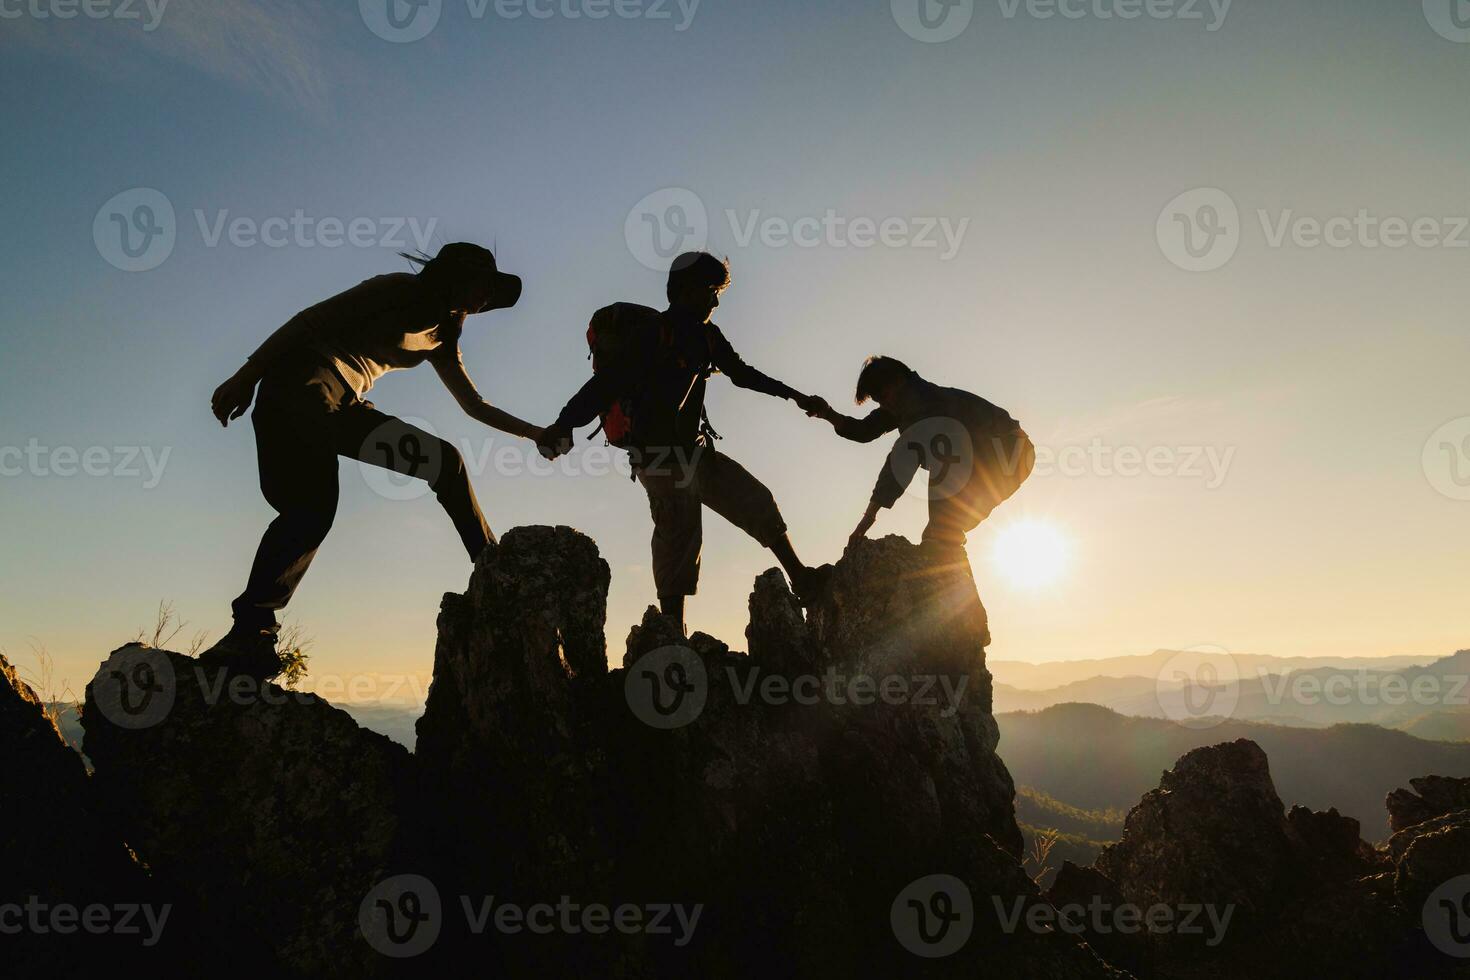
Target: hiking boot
[(811, 583), (246, 652)]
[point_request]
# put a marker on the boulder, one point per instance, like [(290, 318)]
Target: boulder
[(509, 740), (269, 813), (1214, 830), (777, 635), (1429, 854), (1431, 796), (58, 853), (46, 806), (1080, 895), (1306, 895)]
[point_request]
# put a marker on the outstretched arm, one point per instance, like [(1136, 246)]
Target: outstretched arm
[(742, 375), (591, 400), (898, 472), (866, 429), (451, 371)]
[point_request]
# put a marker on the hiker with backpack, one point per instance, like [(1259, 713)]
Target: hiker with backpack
[(312, 374), (976, 455), (650, 369)]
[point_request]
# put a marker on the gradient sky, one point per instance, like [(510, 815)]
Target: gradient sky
[(1323, 370)]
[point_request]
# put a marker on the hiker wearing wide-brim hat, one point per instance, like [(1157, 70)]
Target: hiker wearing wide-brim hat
[(313, 373)]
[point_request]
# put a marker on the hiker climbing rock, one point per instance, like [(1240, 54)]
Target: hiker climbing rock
[(650, 370), (976, 455), (313, 373)]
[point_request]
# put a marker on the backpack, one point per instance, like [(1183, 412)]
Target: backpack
[(619, 339)]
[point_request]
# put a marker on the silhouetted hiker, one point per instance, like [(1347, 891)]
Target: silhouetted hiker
[(976, 454), (313, 373), (648, 386)]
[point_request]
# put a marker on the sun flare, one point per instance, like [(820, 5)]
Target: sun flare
[(1031, 554)]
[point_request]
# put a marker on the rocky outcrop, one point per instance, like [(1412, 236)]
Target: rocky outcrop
[(1278, 894), (1079, 896), (800, 797), (268, 814), (830, 803), (59, 857), (777, 635), (1430, 856), (44, 796), (1215, 827), (1431, 853), (1431, 796), (509, 742)]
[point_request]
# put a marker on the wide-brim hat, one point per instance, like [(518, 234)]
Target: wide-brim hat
[(467, 258)]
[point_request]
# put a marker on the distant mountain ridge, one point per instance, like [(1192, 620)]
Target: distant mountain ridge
[(1093, 758), (1042, 676), (1123, 684), (1434, 697)]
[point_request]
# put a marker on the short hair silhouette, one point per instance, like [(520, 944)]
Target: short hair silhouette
[(878, 373), (698, 269)]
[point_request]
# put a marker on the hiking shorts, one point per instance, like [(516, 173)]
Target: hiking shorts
[(679, 487), (1002, 464)]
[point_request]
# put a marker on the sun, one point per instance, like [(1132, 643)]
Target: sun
[(1031, 554)]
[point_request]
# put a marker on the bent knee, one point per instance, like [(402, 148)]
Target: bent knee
[(309, 521), (448, 467), (764, 520)]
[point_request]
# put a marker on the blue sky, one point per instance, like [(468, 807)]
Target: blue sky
[(1054, 142)]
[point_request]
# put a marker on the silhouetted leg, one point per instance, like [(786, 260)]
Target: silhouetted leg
[(672, 606), (728, 489), (786, 554), (951, 519), (678, 531), (374, 437), (298, 475), (999, 472)]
